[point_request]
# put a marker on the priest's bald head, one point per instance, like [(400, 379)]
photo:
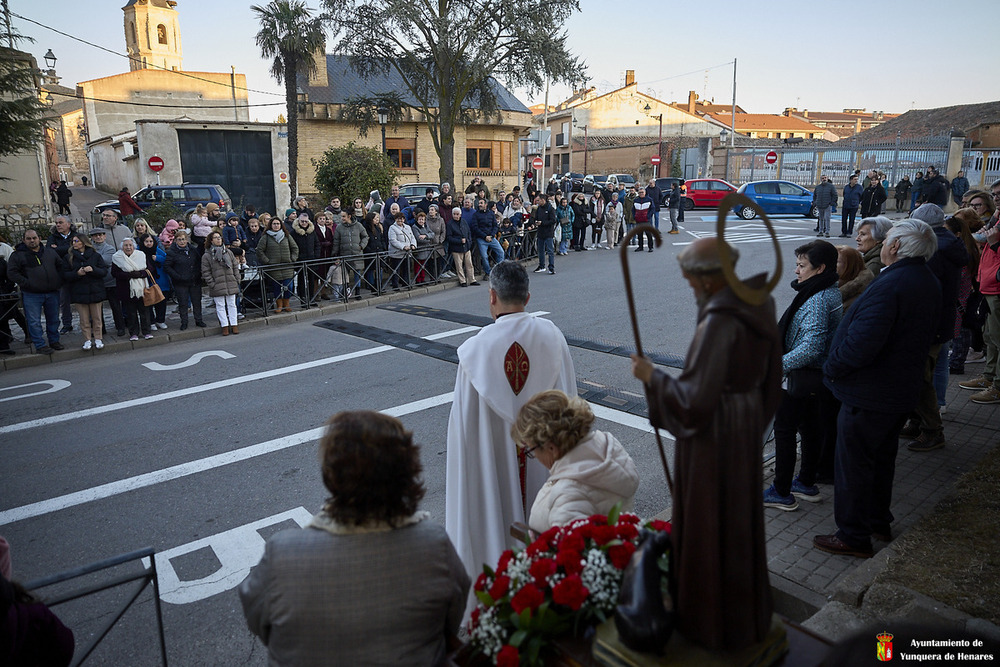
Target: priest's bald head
[(508, 288), (702, 266)]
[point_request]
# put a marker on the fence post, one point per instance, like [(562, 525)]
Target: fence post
[(956, 146), (895, 161), (818, 165)]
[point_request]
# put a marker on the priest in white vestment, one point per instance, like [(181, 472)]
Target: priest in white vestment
[(499, 370)]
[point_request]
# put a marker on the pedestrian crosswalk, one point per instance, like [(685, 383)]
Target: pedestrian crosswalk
[(755, 232)]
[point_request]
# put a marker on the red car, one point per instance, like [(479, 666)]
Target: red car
[(706, 192)]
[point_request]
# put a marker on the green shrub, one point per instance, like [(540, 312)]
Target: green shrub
[(353, 171)]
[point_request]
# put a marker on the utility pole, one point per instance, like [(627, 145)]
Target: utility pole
[(732, 122), (545, 126)]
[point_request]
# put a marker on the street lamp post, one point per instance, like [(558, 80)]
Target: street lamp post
[(50, 63), (723, 136), (659, 143), (383, 118)]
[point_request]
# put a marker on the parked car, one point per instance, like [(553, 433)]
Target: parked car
[(624, 179), (777, 198), (185, 197), (576, 180), (706, 192), (665, 184), (590, 181), (414, 192)]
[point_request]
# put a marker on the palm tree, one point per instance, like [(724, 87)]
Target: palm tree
[(291, 35)]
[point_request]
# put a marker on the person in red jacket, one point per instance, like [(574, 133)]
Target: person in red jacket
[(126, 204)]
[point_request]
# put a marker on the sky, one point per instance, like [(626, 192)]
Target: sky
[(819, 56)]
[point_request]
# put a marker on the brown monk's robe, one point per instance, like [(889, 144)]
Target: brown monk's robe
[(718, 410)]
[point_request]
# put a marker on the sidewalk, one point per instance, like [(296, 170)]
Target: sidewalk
[(84, 199), (805, 579)]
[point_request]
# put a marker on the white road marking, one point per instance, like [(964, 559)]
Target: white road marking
[(193, 467), (625, 419), (212, 386), (195, 358), (237, 550), (54, 385)]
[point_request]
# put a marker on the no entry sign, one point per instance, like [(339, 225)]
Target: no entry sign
[(155, 163), (771, 157), (655, 159), (537, 163)]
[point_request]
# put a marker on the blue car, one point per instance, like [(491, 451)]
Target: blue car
[(777, 198)]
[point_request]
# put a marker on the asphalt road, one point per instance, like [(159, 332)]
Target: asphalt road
[(204, 461)]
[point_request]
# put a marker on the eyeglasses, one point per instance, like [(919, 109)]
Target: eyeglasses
[(529, 452)]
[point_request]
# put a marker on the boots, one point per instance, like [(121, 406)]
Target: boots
[(288, 306), (225, 331), (234, 329)]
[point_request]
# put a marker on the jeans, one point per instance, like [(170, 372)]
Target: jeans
[(563, 246), (654, 218), (484, 248), (546, 246), (673, 220), (941, 372), (824, 220), (34, 305), (847, 217)]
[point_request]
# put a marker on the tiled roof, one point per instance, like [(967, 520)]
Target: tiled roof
[(345, 83), (765, 121), (921, 123), (829, 116)]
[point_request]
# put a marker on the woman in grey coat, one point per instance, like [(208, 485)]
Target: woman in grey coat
[(370, 581), (220, 273)]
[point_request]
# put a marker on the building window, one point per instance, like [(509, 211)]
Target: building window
[(478, 158), (402, 153)]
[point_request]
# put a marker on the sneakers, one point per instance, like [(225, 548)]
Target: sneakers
[(975, 357), (66, 329), (978, 382), (148, 336), (87, 344), (987, 396), (540, 269), (133, 338), (928, 443), (162, 325), (99, 344), (810, 494), (552, 272), (773, 499)]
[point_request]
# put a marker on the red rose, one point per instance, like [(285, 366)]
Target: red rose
[(505, 558), (628, 518), (573, 542), (542, 568), (627, 531), (570, 592), (599, 520), (584, 532), (620, 554), (570, 561), (529, 597), (550, 535), (657, 524), (508, 657), (481, 582), (499, 587), (474, 619), (603, 534)]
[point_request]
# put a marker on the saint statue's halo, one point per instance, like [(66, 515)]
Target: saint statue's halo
[(754, 297)]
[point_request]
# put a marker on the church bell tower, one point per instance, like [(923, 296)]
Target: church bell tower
[(152, 35)]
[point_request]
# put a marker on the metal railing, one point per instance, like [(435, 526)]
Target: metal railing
[(342, 278), (142, 578)]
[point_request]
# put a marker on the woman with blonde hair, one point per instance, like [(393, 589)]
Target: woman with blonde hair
[(589, 471), (140, 228)]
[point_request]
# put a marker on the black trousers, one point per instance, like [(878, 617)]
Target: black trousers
[(185, 294), (579, 236), (867, 442), (802, 415), (115, 305), (648, 235)]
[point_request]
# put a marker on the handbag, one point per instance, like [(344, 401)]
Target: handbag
[(804, 382), (151, 294)]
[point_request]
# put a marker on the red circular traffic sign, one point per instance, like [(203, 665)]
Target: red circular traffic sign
[(771, 157), (537, 163), (155, 163), (655, 159)]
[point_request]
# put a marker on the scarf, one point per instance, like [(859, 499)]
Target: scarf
[(278, 236), (805, 290), (323, 521), (221, 255), (129, 263)]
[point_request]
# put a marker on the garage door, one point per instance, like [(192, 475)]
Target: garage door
[(239, 161)]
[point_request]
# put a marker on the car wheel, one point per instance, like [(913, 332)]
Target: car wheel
[(688, 204), (813, 212), (747, 213)]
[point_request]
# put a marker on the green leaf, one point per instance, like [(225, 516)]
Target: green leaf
[(614, 514), (485, 598), (517, 638)]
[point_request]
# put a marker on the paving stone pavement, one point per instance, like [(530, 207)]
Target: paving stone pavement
[(922, 480)]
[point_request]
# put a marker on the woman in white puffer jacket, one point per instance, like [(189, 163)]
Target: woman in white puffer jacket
[(589, 471)]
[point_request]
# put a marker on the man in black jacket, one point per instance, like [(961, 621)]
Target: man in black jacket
[(37, 270), (544, 218), (183, 265), (873, 197), (935, 188)]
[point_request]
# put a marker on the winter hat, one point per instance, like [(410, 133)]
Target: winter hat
[(230, 216), (289, 211), (98, 230), (212, 206), (929, 213)]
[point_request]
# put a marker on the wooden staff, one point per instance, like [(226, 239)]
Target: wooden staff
[(643, 228)]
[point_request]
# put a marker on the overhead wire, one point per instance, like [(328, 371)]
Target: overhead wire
[(148, 65), (165, 106)]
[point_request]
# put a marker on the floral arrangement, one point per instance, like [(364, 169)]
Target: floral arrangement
[(562, 583)]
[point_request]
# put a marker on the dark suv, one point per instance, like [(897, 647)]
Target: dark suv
[(666, 184), (185, 197)]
